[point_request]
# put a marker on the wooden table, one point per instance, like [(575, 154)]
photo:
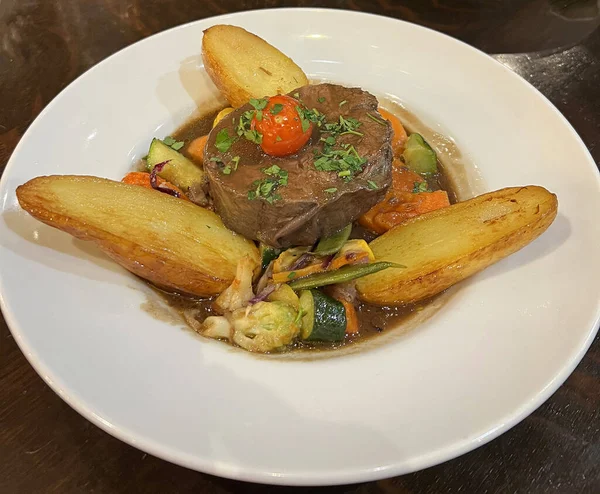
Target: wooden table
[(46, 447)]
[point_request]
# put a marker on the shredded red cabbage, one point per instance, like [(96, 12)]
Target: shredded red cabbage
[(301, 262), (266, 291), (154, 182), (327, 261)]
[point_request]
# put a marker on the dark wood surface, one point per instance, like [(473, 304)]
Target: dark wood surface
[(47, 447)]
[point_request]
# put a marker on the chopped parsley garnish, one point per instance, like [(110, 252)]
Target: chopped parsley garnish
[(303, 119), (243, 126), (277, 139), (232, 166), (420, 187), (372, 185), (307, 116), (173, 143), (346, 125), (292, 275), (276, 171), (258, 104), (346, 161), (331, 190), (342, 103), (297, 96), (267, 187), (375, 119), (253, 136), (244, 122), (224, 141), (321, 99), (277, 107)]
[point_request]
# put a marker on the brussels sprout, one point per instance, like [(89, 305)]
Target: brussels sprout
[(265, 326)]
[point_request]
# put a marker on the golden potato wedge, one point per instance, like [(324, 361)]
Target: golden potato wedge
[(446, 246), (244, 66), (173, 243)]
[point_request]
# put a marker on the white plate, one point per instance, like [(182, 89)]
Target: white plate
[(493, 354)]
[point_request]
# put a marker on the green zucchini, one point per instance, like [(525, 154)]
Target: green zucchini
[(333, 243), (418, 155), (324, 318), (268, 254), (180, 171), (346, 273)]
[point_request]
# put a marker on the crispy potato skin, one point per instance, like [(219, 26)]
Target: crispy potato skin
[(446, 246), (244, 66), (172, 243)]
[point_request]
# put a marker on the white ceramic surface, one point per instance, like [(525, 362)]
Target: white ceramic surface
[(493, 354)]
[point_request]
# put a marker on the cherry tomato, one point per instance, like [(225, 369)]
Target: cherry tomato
[(281, 127)]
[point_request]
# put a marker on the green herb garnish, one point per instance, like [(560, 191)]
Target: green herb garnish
[(277, 107), (372, 185), (375, 119), (244, 122), (267, 187), (253, 136), (342, 103), (346, 161), (321, 99), (420, 187), (307, 116), (346, 125), (224, 141), (173, 143), (277, 139), (331, 190), (291, 275), (258, 104)]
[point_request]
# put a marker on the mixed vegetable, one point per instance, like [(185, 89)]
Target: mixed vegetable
[(303, 294)]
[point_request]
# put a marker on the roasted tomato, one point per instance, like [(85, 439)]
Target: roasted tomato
[(284, 130)]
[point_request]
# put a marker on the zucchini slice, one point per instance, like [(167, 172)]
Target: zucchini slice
[(179, 171), (324, 318), (419, 157), (268, 254)]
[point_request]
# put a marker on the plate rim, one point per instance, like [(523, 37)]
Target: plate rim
[(237, 471)]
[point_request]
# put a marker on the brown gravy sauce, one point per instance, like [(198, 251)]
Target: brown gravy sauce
[(375, 321)]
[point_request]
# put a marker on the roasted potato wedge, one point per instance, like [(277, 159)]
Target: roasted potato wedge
[(173, 243), (446, 246), (244, 66)]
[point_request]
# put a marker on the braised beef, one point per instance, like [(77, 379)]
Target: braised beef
[(309, 207)]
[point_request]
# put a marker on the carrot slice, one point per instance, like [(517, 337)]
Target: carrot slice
[(421, 203), (399, 138), (143, 179), (352, 326), (430, 201), (196, 148)]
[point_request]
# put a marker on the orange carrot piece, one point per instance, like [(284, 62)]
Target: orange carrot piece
[(399, 138), (143, 179), (196, 149), (352, 326), (421, 203), (430, 201), (403, 179)]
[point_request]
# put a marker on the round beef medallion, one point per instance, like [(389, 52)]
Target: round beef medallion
[(340, 173)]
